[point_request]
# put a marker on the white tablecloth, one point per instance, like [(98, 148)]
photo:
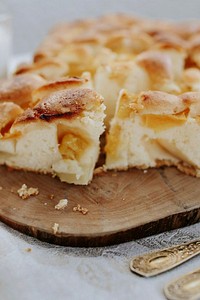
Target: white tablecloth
[(51, 272)]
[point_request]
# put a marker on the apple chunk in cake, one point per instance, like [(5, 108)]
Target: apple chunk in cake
[(60, 136), (153, 129)]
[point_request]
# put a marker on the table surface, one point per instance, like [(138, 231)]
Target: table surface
[(54, 272)]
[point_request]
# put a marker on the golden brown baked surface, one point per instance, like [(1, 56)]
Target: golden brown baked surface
[(122, 33), (58, 85), (159, 103), (19, 89), (66, 103)]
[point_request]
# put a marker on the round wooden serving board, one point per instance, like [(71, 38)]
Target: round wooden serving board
[(122, 206)]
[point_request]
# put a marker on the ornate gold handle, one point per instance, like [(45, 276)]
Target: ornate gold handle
[(185, 287), (160, 261)]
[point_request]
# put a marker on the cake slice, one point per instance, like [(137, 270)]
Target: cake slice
[(60, 136), (154, 129)]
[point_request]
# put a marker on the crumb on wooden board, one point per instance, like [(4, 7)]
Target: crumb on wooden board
[(99, 170), (55, 228), (80, 209), (24, 192), (61, 204)]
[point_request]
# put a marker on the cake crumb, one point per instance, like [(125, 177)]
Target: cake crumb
[(1, 188), (24, 192), (45, 203), (28, 249), (99, 170), (55, 228), (145, 171), (82, 210), (51, 197), (61, 204)]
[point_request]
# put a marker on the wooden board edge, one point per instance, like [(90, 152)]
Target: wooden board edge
[(174, 221)]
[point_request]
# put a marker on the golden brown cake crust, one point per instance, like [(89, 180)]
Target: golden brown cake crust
[(157, 64), (62, 104), (19, 89), (157, 102), (63, 82), (24, 68)]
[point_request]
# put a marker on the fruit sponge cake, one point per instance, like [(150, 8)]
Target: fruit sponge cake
[(155, 129), (59, 135)]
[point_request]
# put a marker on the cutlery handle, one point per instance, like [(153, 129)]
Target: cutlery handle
[(160, 261), (184, 287)]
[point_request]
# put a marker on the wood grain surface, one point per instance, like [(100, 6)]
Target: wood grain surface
[(122, 206)]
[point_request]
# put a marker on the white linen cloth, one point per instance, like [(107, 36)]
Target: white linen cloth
[(51, 272)]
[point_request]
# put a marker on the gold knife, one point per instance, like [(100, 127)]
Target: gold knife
[(157, 262), (186, 287)]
